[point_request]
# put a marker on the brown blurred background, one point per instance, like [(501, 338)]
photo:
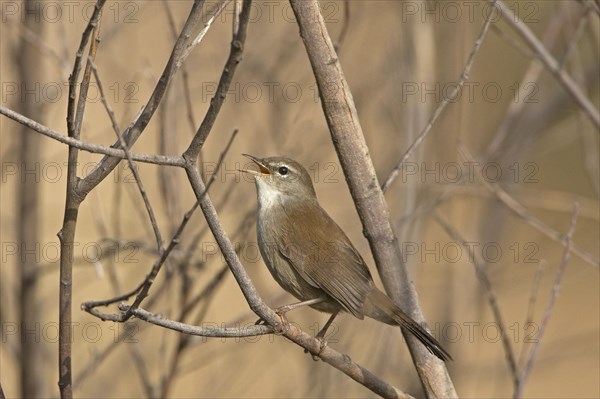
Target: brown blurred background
[(401, 58)]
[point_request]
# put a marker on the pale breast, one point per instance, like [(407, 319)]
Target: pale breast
[(270, 216)]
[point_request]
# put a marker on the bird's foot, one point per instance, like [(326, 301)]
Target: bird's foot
[(322, 344), (282, 310), (284, 325), (281, 327)]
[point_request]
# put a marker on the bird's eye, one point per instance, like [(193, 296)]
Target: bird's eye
[(283, 170)]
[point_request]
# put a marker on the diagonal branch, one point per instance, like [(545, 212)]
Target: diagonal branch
[(551, 63), (520, 210), (484, 280), (347, 136)]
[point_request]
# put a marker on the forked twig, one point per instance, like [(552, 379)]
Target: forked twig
[(520, 383), (144, 287)]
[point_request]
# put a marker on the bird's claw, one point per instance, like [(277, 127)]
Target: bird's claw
[(281, 327), (322, 345), (282, 310), (285, 324)]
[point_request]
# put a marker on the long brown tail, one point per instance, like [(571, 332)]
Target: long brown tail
[(379, 307)]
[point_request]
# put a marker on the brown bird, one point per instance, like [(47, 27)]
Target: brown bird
[(311, 257)]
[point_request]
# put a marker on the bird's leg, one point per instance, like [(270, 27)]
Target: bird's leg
[(321, 335), (282, 310), (286, 308)]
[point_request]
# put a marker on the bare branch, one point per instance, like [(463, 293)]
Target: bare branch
[(225, 332), (535, 286), (89, 147), (71, 110), (184, 72), (550, 62), (345, 25), (28, 210), (531, 76), (581, 24), (520, 210), (188, 49), (464, 76)]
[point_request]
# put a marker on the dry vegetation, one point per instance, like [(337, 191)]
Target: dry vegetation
[(495, 207)]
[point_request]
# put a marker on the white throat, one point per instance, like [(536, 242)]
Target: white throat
[(268, 196)]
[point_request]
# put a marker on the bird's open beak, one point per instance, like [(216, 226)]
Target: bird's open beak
[(263, 170)]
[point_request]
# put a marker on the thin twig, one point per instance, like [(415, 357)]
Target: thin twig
[(35, 39), (132, 164), (71, 110), (339, 361), (484, 280), (345, 25), (184, 72), (523, 49), (520, 210), (550, 62), (531, 76), (134, 350), (198, 39), (520, 384), (581, 24), (535, 286), (90, 147), (464, 76), (235, 24)]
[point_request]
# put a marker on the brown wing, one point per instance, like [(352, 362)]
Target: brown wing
[(324, 256)]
